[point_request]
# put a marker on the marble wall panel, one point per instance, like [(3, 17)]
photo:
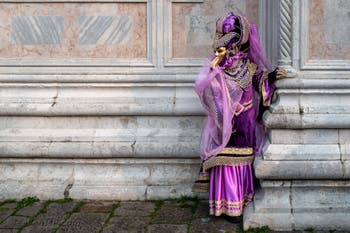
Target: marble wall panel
[(73, 30), (193, 24), (329, 30)]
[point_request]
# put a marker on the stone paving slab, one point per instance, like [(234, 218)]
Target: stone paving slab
[(10, 205), (8, 230), (65, 207), (30, 210), (14, 222), (83, 223), (132, 208), (97, 206), (39, 229), (212, 225), (5, 213), (172, 213), (167, 228), (53, 220), (127, 224)]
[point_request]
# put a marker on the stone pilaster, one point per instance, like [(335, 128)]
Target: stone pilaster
[(304, 171)]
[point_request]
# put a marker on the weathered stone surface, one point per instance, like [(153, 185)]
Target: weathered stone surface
[(4, 213), (83, 222), (53, 219), (302, 152), (127, 224), (10, 205), (167, 228), (14, 222), (304, 136), (329, 200), (213, 224), (31, 210), (39, 229), (322, 221), (97, 206), (278, 202), (66, 207), (142, 209), (8, 230), (156, 192), (276, 221), (171, 213), (202, 210), (267, 169)]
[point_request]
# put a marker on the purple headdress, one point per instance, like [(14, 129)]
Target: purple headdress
[(234, 30)]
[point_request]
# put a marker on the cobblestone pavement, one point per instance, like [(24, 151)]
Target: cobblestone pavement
[(185, 215)]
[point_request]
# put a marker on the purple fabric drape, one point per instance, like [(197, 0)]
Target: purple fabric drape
[(220, 102)]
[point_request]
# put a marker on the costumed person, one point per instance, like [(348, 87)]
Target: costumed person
[(234, 88)]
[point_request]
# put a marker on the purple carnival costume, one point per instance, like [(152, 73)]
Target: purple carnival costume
[(234, 89)]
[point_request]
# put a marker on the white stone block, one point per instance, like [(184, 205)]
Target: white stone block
[(169, 191), (344, 136), (123, 179), (97, 137), (109, 192), (95, 99), (272, 200), (173, 174), (303, 152), (345, 151), (320, 199), (304, 136), (298, 169), (322, 221), (275, 221)]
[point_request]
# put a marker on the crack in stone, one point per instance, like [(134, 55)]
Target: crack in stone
[(341, 157), (291, 206), (133, 146), (66, 190), (54, 99)]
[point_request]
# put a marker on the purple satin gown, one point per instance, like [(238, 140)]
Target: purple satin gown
[(232, 186)]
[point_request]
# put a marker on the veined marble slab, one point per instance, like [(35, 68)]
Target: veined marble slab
[(36, 30), (97, 30)]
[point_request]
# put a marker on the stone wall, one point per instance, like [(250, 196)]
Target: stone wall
[(97, 96)]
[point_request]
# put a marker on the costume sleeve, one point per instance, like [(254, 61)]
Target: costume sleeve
[(263, 83)]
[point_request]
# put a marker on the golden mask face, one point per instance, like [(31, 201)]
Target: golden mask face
[(219, 52)]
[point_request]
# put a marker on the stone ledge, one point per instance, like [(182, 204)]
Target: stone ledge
[(124, 179), (114, 99), (307, 121), (100, 137), (286, 170), (302, 152)]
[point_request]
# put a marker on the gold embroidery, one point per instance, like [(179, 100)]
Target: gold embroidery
[(223, 160), (203, 176), (223, 206), (244, 78), (237, 151), (200, 187), (262, 90), (226, 211)]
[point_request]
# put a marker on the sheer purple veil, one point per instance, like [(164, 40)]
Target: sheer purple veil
[(219, 101), (256, 53)]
